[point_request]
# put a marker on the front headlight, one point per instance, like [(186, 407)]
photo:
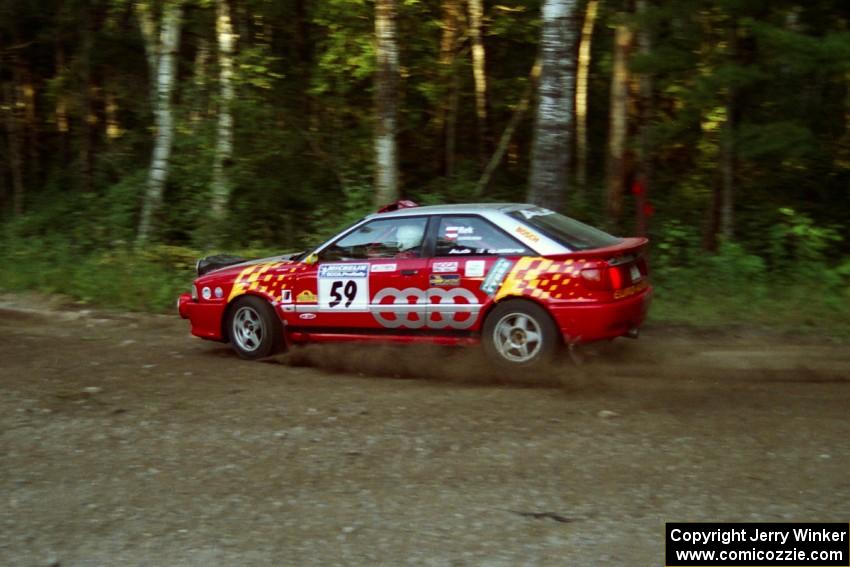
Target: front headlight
[(194, 293)]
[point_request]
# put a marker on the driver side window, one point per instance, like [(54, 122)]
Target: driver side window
[(385, 238)]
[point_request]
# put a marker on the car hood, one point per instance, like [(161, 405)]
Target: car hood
[(231, 270)]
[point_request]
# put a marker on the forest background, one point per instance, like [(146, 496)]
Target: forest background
[(136, 136)]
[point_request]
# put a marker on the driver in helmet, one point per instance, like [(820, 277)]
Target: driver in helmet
[(409, 239)]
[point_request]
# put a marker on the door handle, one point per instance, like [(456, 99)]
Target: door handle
[(409, 272)]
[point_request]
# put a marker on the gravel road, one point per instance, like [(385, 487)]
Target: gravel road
[(124, 441)]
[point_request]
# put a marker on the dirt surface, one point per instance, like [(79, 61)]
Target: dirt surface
[(124, 441)]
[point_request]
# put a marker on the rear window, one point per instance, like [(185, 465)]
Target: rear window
[(571, 233)]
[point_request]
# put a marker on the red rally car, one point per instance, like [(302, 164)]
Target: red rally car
[(520, 279)]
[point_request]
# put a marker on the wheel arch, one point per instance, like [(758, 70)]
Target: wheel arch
[(225, 316), (527, 298)]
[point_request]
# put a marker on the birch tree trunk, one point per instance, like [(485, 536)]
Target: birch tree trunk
[(479, 73), (615, 169), (582, 78), (386, 153), (224, 140), (550, 149), (169, 42)]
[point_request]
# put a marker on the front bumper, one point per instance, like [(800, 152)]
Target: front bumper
[(204, 317), (600, 321)]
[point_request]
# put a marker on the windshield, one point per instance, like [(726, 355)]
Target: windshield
[(569, 232)]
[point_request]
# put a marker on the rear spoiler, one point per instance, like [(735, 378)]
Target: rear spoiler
[(632, 246)]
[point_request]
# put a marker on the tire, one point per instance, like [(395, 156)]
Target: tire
[(519, 333), (253, 328)]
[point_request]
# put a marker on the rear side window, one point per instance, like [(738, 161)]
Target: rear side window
[(473, 235), (571, 233)]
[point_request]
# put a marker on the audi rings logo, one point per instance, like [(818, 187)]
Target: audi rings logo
[(443, 304)]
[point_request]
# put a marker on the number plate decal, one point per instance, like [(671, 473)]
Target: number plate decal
[(344, 287)]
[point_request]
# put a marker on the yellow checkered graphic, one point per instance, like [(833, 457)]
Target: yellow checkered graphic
[(259, 277), (540, 278)]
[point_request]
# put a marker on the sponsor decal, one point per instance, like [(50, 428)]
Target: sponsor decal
[(454, 232), (474, 268), (505, 250), (307, 316), (306, 296), (444, 267), (527, 234), (343, 271), (206, 293), (460, 251), (219, 293), (496, 276), (465, 238), (383, 268), (455, 308), (286, 296), (536, 212), (626, 292), (444, 280), (344, 287)]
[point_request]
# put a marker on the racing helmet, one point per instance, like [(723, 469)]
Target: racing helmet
[(409, 236)]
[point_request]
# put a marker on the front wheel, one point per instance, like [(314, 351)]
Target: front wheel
[(253, 328), (520, 333)]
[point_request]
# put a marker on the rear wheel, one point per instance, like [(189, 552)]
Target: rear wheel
[(253, 328), (520, 333)]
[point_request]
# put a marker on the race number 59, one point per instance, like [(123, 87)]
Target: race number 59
[(348, 289), (344, 287)]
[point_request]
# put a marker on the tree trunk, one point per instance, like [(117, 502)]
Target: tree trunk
[(615, 170), (10, 97), (386, 153), (479, 73), (582, 78), (550, 149), (169, 43), (86, 117), (446, 117), (200, 107), (727, 154), (147, 25), (508, 134), (645, 164), (224, 140), (31, 125), (727, 171)]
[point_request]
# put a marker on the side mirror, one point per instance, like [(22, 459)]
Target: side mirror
[(311, 259)]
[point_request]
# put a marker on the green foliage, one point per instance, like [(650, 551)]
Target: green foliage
[(791, 285), (797, 242)]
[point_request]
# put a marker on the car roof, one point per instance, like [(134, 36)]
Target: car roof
[(469, 208)]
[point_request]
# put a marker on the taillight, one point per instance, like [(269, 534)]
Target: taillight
[(596, 278), (616, 276), (604, 278)]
